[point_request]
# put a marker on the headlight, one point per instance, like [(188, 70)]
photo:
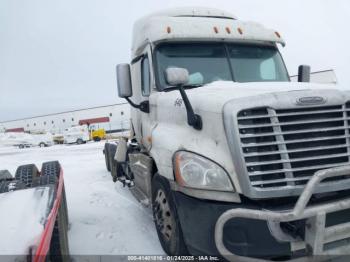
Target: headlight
[(195, 171)]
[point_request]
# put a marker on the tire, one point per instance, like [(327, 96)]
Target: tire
[(51, 168), (42, 144), (166, 219), (26, 174), (112, 162), (44, 180), (5, 175), (21, 146), (50, 172), (106, 153), (59, 248), (7, 186), (65, 205), (97, 139), (80, 141)]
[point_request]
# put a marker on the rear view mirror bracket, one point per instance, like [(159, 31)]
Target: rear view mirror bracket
[(143, 106)]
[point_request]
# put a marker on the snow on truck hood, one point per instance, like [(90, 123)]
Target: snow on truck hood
[(22, 218), (212, 97)]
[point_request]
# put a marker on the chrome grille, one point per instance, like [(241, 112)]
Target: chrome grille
[(285, 147)]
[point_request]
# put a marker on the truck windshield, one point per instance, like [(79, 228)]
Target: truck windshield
[(207, 63)]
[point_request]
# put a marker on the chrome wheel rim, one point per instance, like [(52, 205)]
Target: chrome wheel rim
[(162, 215)]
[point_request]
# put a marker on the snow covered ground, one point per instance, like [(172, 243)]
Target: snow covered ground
[(105, 218)]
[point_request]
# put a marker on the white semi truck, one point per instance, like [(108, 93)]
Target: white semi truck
[(234, 158)]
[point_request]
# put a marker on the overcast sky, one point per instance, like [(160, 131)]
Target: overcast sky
[(61, 55)]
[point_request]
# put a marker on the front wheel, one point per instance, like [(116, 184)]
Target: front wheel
[(80, 141), (96, 139), (165, 217)]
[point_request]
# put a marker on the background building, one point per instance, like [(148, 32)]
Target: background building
[(112, 118)]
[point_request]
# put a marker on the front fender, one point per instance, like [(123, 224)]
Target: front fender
[(168, 138)]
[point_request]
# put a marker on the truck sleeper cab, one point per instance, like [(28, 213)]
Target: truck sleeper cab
[(234, 159)]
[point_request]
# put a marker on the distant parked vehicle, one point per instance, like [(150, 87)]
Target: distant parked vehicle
[(43, 140), (20, 140), (76, 135), (97, 133), (24, 140), (58, 138)]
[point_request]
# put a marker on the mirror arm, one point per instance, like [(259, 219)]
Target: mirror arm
[(193, 119), (132, 103), (143, 106)]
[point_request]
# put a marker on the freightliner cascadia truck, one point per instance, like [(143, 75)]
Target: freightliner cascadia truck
[(234, 159)]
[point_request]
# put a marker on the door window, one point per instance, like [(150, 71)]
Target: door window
[(145, 77)]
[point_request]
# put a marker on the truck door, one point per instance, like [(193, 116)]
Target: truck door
[(146, 90), (142, 88)]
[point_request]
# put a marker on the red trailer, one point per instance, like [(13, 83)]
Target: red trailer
[(34, 218)]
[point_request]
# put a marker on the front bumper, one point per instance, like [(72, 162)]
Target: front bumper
[(241, 236), (243, 232)]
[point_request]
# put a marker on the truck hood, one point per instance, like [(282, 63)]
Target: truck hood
[(212, 97)]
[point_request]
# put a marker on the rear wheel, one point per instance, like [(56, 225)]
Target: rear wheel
[(165, 217), (42, 144), (97, 138), (112, 161), (44, 180), (5, 175), (80, 141), (26, 174), (51, 168), (59, 248), (106, 153)]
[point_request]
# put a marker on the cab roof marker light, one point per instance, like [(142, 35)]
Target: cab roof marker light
[(240, 31), (278, 34), (168, 29), (228, 30), (216, 30)]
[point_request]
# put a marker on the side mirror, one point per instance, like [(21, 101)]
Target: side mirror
[(124, 80), (125, 87), (304, 73), (177, 76)]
